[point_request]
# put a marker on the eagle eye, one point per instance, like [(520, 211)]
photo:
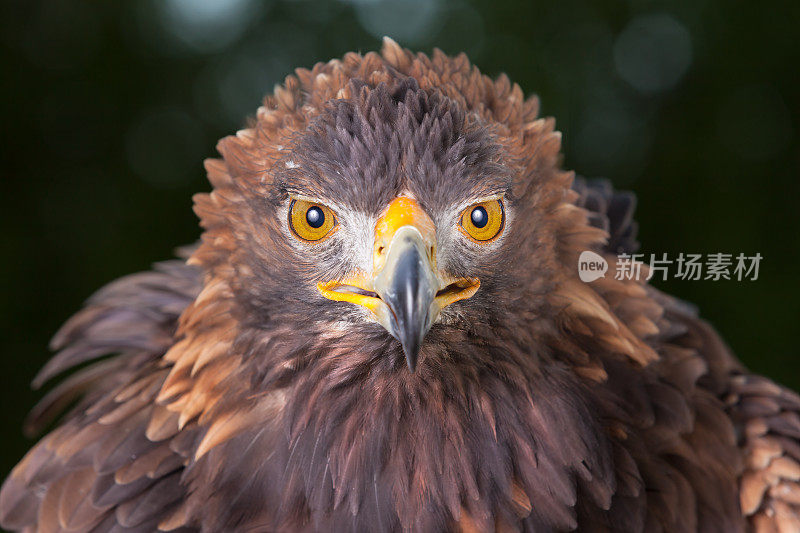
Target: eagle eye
[(311, 221), (483, 222)]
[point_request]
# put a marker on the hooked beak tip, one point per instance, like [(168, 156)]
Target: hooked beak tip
[(411, 347)]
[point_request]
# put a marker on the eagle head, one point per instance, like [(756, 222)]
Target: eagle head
[(393, 212)]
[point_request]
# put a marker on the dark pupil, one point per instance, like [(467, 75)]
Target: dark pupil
[(315, 217), (479, 217)]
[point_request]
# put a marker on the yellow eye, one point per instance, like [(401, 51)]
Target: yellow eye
[(483, 222), (311, 221)]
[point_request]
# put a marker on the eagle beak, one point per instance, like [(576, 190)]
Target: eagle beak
[(406, 292), (408, 286)]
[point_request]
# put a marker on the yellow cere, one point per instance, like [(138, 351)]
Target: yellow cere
[(311, 221), (483, 222)]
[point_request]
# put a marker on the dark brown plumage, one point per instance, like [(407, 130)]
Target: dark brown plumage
[(246, 392)]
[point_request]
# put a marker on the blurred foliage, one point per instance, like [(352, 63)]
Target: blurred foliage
[(109, 108)]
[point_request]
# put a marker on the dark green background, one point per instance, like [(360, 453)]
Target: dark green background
[(108, 109)]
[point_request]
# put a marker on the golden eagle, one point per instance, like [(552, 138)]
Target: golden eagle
[(383, 329)]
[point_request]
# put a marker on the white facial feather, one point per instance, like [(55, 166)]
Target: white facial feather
[(358, 231)]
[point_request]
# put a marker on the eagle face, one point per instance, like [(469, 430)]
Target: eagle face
[(392, 208)]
